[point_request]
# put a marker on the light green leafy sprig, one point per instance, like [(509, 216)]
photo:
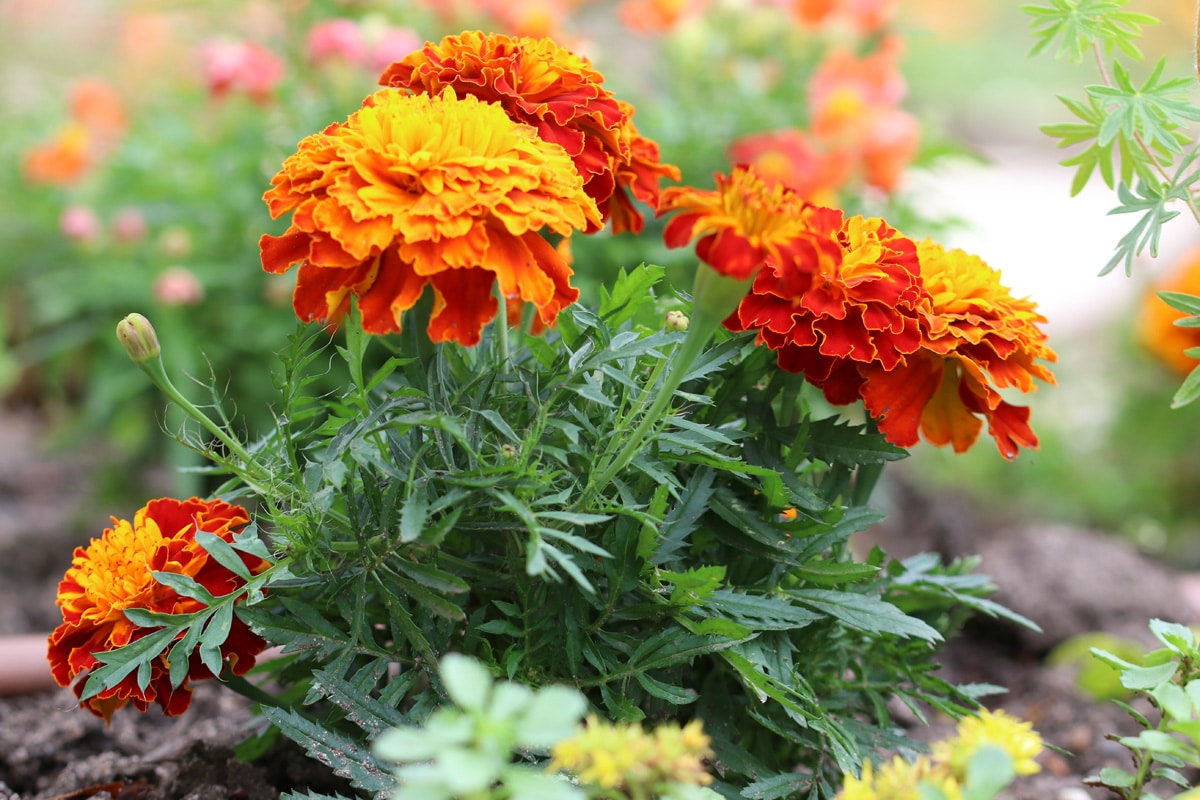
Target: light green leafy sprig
[(1170, 679), (1076, 24), (1133, 134), (466, 750)]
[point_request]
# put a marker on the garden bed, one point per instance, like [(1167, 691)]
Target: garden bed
[(1069, 581)]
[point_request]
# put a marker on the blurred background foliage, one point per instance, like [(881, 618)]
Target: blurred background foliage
[(139, 137)]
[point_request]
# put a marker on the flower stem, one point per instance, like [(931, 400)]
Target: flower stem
[(158, 374), (714, 297)]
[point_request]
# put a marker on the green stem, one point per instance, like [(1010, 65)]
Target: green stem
[(158, 374)]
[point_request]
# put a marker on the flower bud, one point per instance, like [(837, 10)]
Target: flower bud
[(137, 336), (676, 321)]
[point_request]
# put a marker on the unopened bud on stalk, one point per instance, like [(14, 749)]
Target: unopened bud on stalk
[(677, 321), (137, 336)]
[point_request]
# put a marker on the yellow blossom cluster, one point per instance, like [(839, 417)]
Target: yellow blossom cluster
[(946, 769), (625, 757)]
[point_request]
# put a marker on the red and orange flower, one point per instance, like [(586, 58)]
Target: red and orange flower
[(542, 84), (737, 226), (848, 296), (416, 190), (977, 340), (113, 573), (1156, 328)]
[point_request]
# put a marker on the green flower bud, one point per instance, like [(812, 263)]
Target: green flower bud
[(677, 321), (137, 336)]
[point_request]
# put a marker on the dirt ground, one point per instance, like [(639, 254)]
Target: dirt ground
[(1069, 581)]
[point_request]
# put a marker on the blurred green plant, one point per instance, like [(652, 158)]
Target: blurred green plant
[(1135, 135)]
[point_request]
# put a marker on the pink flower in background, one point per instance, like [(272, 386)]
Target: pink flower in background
[(369, 44), (240, 66), (178, 286), (79, 224), (129, 225)]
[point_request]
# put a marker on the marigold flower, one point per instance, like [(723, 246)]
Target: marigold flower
[(739, 225), (414, 190), (849, 296), (977, 339), (1156, 328), (113, 573), (542, 84), (658, 16)]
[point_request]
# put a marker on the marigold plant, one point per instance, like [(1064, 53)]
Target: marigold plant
[(127, 570)]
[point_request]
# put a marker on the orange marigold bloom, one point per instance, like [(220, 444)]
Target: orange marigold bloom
[(417, 189), (113, 573), (542, 84), (1156, 328), (850, 296), (739, 225), (978, 339)]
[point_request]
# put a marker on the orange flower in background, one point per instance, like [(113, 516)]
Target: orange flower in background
[(539, 83), (98, 121), (658, 16), (417, 189), (1156, 328), (867, 16), (113, 573), (739, 225), (849, 297), (978, 339), (853, 102), (796, 160)]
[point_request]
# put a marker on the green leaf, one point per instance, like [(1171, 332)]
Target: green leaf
[(223, 553), (629, 292), (784, 784), (1188, 391), (759, 613), (1179, 638), (345, 757), (1187, 303), (866, 613), (184, 586), (1075, 25), (675, 695), (1117, 778), (467, 682), (838, 442)]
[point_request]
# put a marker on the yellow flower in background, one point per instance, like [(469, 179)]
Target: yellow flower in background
[(996, 728), (623, 756), (416, 190)]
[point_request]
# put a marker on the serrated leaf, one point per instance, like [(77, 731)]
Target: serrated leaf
[(1188, 391), (185, 587), (345, 757), (866, 613), (675, 695), (628, 293)]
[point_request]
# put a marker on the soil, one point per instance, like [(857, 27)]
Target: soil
[(1069, 581)]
